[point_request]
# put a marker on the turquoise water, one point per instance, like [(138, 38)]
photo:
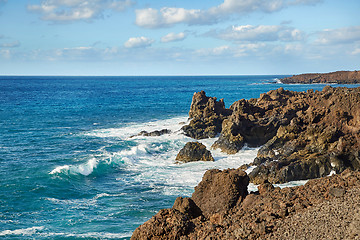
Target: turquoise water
[(69, 167)]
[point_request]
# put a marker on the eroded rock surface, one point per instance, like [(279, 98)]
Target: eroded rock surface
[(303, 134), (206, 115), (194, 151), (259, 215)]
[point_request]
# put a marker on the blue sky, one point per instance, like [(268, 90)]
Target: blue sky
[(143, 37)]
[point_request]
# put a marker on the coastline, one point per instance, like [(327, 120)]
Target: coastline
[(204, 108), (339, 77)]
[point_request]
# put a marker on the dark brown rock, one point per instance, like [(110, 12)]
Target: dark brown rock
[(153, 133), (264, 214), (187, 207), (194, 151), (220, 191), (340, 77), (206, 115)]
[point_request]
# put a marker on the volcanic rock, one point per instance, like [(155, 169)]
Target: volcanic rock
[(270, 213), (206, 115), (220, 191), (194, 151), (155, 133), (303, 134), (340, 77)]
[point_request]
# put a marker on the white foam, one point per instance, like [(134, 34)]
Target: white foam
[(132, 129), (84, 169), (152, 159), (22, 231)]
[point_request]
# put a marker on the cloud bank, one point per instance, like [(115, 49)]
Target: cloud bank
[(74, 10), (258, 33), (169, 16)]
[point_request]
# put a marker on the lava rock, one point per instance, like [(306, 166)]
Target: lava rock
[(194, 151)]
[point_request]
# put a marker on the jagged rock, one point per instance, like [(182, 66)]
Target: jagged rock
[(303, 134), (219, 191), (323, 138), (340, 77), (194, 151), (206, 115), (153, 133), (260, 214)]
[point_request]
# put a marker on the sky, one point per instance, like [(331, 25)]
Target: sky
[(187, 37)]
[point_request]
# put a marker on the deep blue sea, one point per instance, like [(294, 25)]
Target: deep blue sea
[(69, 168)]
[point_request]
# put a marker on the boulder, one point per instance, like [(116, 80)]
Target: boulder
[(194, 151), (219, 191)]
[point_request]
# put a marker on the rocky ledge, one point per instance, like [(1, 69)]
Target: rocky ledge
[(303, 135), (340, 77), (222, 208)]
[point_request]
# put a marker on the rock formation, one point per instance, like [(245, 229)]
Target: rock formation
[(340, 77), (206, 115), (303, 134), (155, 133), (259, 215), (194, 151)]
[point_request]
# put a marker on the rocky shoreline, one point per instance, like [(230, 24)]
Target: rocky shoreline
[(339, 77), (303, 135)]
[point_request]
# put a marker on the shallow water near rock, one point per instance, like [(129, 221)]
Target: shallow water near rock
[(69, 167)]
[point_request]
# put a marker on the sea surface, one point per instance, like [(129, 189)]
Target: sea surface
[(69, 166)]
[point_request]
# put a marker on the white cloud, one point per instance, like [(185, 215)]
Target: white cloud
[(356, 51), (172, 37), (73, 10), (138, 42), (168, 16), (339, 36), (5, 53), (258, 33), (10, 44)]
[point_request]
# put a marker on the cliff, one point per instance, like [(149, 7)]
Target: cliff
[(340, 77)]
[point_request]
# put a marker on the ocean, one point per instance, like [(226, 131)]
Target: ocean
[(71, 167)]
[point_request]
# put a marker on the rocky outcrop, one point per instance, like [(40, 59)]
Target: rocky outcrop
[(258, 215), (322, 137), (340, 77), (194, 151), (155, 133), (303, 134), (217, 193), (206, 115)]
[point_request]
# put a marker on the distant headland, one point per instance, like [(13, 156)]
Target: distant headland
[(339, 77)]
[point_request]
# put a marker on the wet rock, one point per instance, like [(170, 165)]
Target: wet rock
[(194, 151), (153, 133)]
